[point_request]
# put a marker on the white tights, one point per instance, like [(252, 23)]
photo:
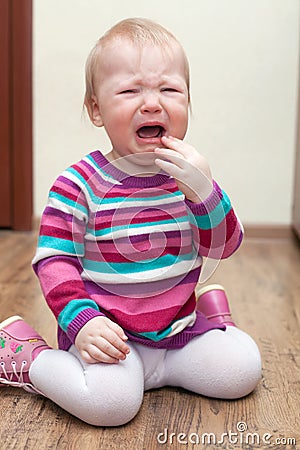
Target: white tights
[(217, 364)]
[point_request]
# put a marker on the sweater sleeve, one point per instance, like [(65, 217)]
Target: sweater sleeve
[(65, 293), (57, 258), (217, 230)]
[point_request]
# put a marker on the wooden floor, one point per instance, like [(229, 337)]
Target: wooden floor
[(263, 283)]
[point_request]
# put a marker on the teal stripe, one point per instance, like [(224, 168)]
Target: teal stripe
[(71, 311), (68, 202), (133, 267), (100, 169), (156, 335), (216, 216), (64, 245), (104, 231), (159, 335), (93, 197), (121, 198)]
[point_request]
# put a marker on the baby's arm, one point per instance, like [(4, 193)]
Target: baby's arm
[(58, 267), (96, 337), (101, 340)]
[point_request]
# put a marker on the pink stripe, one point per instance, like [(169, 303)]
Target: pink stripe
[(95, 251), (67, 188), (173, 298), (50, 275), (220, 249), (234, 242), (119, 217), (57, 222), (140, 192)]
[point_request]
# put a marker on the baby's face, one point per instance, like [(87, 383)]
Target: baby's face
[(141, 95)]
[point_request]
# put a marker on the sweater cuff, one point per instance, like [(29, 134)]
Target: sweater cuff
[(80, 320), (209, 204)]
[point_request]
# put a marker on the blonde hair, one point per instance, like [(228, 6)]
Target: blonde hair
[(140, 32)]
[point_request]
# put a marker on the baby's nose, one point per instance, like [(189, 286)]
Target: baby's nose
[(151, 103)]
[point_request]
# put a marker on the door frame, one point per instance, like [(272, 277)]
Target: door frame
[(19, 120), (5, 156)]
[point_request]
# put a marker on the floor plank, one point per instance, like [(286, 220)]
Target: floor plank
[(263, 283)]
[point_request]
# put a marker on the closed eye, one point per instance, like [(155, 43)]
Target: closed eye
[(168, 89), (129, 91)]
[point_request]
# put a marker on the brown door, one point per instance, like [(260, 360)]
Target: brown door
[(16, 114)]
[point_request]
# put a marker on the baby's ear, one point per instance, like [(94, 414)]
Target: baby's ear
[(94, 111)]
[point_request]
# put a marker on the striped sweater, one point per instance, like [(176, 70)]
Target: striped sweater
[(130, 248)]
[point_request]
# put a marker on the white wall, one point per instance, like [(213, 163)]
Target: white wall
[(244, 73)]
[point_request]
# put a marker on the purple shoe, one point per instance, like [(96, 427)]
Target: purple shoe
[(19, 346), (213, 303)]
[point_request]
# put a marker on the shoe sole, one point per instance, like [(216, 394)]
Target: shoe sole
[(9, 321), (210, 287)]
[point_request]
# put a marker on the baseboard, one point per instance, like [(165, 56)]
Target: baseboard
[(268, 231)]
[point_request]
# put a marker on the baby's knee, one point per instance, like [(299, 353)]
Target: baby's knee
[(113, 409), (242, 376), (243, 370), (233, 365)]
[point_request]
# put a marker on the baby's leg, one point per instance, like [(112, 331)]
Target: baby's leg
[(220, 364), (99, 394)]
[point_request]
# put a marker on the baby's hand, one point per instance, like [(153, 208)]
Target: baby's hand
[(101, 340), (189, 169)]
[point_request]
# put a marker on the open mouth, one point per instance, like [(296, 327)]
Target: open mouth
[(151, 131)]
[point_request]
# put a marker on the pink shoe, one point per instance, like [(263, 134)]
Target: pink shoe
[(213, 303), (19, 346)]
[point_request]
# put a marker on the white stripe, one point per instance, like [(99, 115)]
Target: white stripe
[(181, 324), (63, 207), (127, 231), (177, 269), (43, 252), (105, 177), (124, 203)]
